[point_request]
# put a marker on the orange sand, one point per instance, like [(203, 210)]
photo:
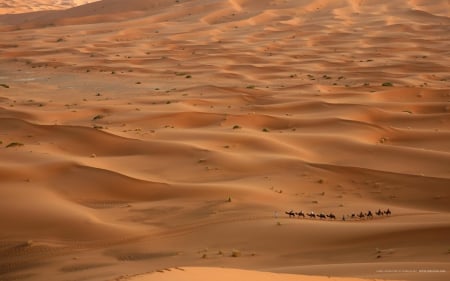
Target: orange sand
[(126, 127)]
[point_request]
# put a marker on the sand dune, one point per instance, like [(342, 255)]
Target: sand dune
[(226, 274), (143, 140), (20, 6)]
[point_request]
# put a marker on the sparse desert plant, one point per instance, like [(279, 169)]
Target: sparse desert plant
[(4, 86), (265, 130), (27, 244), (14, 144), (235, 253), (278, 223), (236, 127), (97, 117), (188, 76), (60, 40), (229, 199), (315, 202), (250, 86), (138, 83), (387, 84)]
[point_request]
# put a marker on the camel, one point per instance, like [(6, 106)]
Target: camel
[(322, 216), (331, 216), (311, 215), (301, 214), (379, 212), (387, 212), (290, 213), (361, 215), (369, 214)]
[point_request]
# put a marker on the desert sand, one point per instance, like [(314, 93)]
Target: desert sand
[(140, 138)]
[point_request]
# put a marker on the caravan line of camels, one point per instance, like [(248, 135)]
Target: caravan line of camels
[(331, 216)]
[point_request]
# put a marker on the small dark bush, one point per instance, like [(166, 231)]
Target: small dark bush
[(14, 144)]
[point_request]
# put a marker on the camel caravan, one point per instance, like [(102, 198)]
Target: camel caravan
[(331, 216)]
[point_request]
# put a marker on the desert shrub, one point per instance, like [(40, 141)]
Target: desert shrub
[(97, 117), (235, 253), (14, 144), (26, 244)]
